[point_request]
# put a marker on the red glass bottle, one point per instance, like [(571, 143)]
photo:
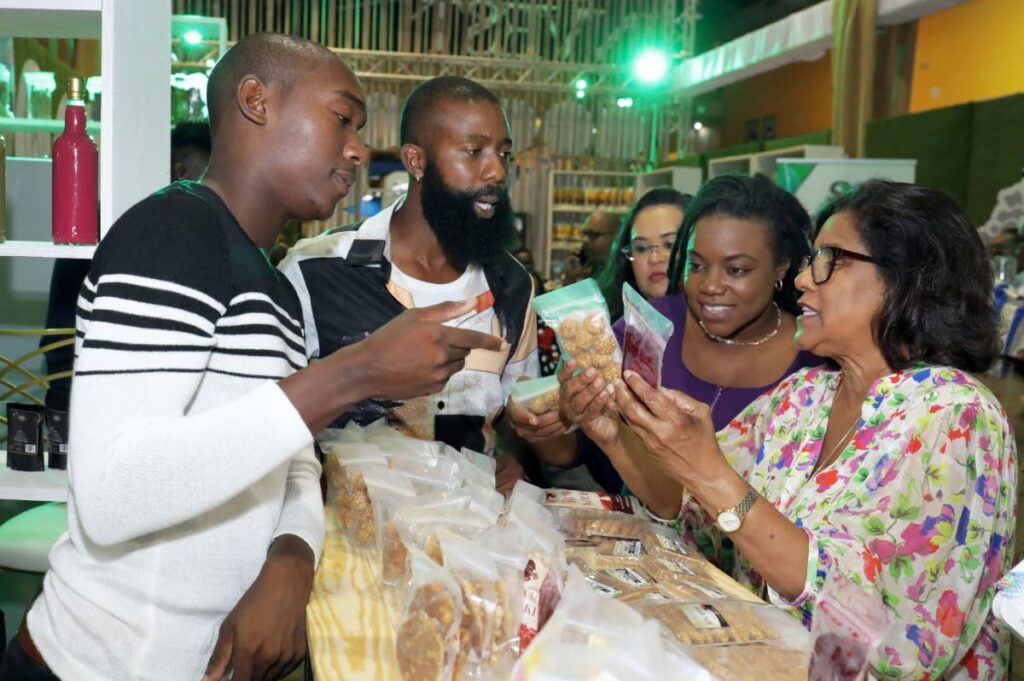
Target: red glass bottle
[(75, 209)]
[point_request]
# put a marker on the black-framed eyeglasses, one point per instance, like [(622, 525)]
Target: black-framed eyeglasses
[(640, 250), (823, 262)]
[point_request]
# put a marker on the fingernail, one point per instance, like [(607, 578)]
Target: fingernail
[(628, 374), (610, 389)]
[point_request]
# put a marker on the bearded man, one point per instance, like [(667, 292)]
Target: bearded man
[(445, 240)]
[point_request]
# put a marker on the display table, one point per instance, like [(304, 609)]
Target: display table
[(351, 637), (47, 485), (349, 624)]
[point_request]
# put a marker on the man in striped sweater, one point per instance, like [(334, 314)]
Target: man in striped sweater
[(194, 513)]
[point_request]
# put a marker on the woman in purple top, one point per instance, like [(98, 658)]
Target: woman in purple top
[(741, 243)]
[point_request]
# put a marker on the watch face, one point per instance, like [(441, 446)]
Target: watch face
[(728, 521)]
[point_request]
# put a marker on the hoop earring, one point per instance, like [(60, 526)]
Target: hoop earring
[(778, 285)]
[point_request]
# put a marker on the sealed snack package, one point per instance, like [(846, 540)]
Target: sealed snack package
[(375, 494), (474, 570), (338, 455), (755, 662), (351, 501), (481, 461), (542, 576), (418, 525), (506, 550), (393, 443), (592, 501), (589, 524), (524, 490), (666, 542), (394, 555), (428, 475), (427, 636), (627, 583), (724, 622), (849, 624), (537, 396), (679, 569), (647, 334), (617, 553), (469, 469), (579, 316), (486, 501), (592, 637)]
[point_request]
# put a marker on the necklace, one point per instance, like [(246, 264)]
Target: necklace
[(827, 460), (759, 341)]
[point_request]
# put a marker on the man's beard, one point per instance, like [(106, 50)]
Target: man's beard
[(466, 238)]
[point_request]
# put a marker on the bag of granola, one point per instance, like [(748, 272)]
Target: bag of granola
[(579, 316)]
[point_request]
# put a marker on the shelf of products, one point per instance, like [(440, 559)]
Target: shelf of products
[(573, 196), (685, 180), (133, 142)]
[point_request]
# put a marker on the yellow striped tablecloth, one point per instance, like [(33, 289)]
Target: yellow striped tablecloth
[(348, 622)]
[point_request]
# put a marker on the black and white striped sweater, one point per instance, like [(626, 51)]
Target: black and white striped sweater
[(186, 459)]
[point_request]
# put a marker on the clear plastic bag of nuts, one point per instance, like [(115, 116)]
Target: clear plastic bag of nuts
[(579, 316), (537, 396), (472, 567), (375, 493), (427, 636)]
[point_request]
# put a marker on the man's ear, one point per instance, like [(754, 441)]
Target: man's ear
[(415, 160), (252, 99)]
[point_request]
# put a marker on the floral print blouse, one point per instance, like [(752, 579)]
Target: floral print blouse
[(919, 507)]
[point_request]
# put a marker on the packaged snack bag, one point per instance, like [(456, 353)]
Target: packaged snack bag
[(474, 570), (375, 493), (506, 550), (647, 334), (849, 624), (592, 501), (589, 524), (427, 637), (579, 316), (538, 395)]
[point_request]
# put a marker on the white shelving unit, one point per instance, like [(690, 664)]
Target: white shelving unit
[(730, 165), (135, 109), (685, 180), (573, 195), (764, 161)]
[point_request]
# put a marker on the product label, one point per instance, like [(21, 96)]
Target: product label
[(670, 544), (540, 596), (677, 567), (603, 588), (628, 576), (709, 591), (590, 501), (703, 616), (628, 549)]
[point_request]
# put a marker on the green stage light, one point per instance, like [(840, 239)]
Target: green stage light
[(580, 94), (193, 37), (651, 66), (581, 84), (624, 102)]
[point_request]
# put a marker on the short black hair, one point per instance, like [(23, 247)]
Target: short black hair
[(937, 276), (618, 270), (274, 58), (191, 134), (751, 198), (420, 104)]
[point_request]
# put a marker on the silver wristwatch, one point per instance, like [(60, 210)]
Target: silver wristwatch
[(731, 519)]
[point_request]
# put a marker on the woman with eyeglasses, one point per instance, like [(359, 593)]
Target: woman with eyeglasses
[(891, 465), (642, 249), (734, 316)]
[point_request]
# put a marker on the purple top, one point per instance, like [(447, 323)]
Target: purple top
[(675, 375)]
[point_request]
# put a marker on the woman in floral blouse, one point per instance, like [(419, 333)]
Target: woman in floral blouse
[(895, 467)]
